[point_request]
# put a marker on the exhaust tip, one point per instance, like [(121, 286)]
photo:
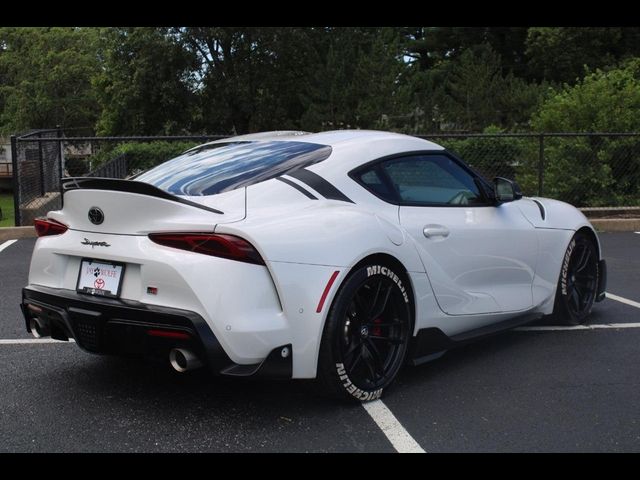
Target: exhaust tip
[(38, 328), (183, 360)]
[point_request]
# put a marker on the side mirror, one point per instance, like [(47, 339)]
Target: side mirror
[(506, 190)]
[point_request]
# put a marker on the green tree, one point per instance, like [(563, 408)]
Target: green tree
[(45, 77), (430, 46), (251, 76), (560, 54), (470, 93), (354, 82), (146, 85)]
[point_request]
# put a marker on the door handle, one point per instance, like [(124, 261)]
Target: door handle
[(431, 231)]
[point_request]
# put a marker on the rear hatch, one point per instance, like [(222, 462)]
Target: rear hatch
[(127, 207)]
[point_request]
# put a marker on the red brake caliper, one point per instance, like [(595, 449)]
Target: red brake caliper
[(377, 331)]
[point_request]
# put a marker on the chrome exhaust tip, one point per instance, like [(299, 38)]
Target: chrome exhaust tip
[(183, 360), (38, 328)]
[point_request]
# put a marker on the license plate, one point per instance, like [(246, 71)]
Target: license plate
[(100, 277)]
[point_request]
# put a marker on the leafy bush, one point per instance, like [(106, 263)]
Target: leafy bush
[(594, 171)]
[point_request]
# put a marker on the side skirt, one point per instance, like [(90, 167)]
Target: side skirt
[(431, 343)]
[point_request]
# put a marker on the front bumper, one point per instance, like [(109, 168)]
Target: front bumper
[(122, 327)]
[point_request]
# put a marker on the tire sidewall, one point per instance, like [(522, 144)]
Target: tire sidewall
[(331, 364), (563, 293)]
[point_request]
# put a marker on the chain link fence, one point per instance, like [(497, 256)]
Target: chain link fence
[(41, 158), (584, 169)]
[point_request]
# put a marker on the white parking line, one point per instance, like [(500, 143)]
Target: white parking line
[(597, 326), (30, 341), (392, 428), (6, 244), (623, 300)]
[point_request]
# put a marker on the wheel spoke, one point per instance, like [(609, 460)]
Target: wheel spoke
[(354, 346), (380, 302), (357, 359), (369, 361), (584, 284), (574, 297), (361, 306), (393, 341), (584, 260), (375, 355)]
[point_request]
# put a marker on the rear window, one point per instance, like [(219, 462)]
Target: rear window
[(222, 167)]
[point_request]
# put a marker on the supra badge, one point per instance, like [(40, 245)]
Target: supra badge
[(96, 216), (86, 241)]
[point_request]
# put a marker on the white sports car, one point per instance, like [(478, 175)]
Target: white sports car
[(338, 255)]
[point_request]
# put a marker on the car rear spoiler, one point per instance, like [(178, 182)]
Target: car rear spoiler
[(130, 186)]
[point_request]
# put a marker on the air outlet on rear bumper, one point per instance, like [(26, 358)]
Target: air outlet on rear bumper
[(87, 328)]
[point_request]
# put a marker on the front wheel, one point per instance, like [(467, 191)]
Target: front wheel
[(366, 335), (578, 283)]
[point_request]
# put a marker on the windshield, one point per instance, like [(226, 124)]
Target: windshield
[(222, 167)]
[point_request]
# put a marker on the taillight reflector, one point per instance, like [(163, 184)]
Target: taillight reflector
[(168, 334), (46, 226), (217, 245)]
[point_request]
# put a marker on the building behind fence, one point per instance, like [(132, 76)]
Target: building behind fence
[(584, 169)]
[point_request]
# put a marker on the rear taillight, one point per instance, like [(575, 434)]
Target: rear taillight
[(225, 246), (46, 226)]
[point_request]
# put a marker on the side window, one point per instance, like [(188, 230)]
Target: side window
[(374, 183), (432, 180)]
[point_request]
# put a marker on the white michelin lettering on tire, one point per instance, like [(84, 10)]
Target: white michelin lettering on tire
[(565, 267), (380, 270), (352, 389)]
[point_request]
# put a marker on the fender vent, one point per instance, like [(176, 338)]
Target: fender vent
[(543, 212)]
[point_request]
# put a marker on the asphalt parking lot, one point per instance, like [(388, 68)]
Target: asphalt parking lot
[(533, 390)]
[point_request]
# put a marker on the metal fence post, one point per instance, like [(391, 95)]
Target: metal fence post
[(41, 159), (541, 165), (61, 159), (16, 184)]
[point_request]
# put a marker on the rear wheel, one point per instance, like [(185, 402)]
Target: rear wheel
[(366, 334), (578, 284)]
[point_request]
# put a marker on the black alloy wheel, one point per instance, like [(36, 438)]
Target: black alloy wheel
[(578, 285), (367, 333)]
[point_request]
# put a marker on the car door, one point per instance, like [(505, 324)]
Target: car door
[(480, 258)]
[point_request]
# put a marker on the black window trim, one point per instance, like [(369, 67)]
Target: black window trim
[(486, 189)]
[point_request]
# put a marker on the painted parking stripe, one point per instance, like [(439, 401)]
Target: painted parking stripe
[(597, 326), (626, 301), (31, 341), (6, 244), (392, 428)]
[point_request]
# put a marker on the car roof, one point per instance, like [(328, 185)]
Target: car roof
[(332, 138)]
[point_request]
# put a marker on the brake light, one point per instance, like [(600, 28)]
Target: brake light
[(225, 246), (46, 226)]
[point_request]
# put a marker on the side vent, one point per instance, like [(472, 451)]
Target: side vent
[(543, 212)]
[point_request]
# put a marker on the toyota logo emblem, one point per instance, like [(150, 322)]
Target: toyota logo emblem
[(96, 216)]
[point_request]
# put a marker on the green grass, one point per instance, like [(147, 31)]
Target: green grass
[(6, 204)]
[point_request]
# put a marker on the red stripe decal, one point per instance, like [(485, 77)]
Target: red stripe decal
[(326, 291)]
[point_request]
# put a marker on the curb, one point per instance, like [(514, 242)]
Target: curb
[(12, 233), (616, 224)]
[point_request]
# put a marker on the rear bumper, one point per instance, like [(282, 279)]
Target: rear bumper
[(602, 280), (122, 327)]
